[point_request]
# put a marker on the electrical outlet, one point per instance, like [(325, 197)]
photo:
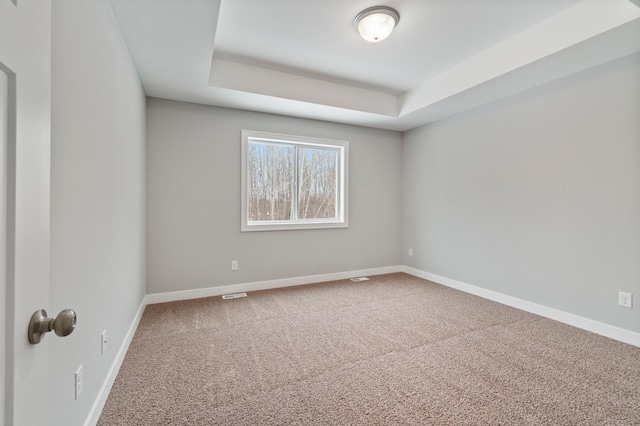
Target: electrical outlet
[(625, 299), (103, 342), (79, 381), (410, 252), (234, 265)]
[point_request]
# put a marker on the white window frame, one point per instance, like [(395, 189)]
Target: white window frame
[(342, 182)]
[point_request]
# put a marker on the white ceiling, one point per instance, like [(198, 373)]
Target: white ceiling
[(304, 59)]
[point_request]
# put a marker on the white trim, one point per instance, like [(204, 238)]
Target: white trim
[(103, 394), (265, 285), (613, 332)]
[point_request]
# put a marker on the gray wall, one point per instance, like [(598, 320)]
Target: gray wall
[(537, 196), (193, 201), (97, 198)]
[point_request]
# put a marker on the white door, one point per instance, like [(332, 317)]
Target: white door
[(25, 96)]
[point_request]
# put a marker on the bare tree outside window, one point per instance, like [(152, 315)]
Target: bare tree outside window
[(316, 183), (270, 181), (293, 181)]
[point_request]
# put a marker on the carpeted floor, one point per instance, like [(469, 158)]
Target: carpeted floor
[(396, 350)]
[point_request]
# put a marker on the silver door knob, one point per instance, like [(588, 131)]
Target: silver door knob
[(62, 325)]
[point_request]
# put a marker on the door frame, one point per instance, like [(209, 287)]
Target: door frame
[(7, 113)]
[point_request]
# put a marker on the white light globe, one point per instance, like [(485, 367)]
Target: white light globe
[(375, 23)]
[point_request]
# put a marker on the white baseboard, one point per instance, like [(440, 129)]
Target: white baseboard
[(103, 394), (265, 285), (597, 327)]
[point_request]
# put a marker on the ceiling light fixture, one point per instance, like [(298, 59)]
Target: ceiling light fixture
[(376, 23)]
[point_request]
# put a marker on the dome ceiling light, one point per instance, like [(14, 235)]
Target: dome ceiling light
[(376, 23)]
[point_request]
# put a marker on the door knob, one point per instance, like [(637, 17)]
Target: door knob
[(62, 325)]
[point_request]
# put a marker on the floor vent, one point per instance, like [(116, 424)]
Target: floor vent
[(357, 280), (234, 296)]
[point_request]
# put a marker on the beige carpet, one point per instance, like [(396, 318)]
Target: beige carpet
[(396, 350)]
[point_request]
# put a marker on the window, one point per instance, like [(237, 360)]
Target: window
[(292, 182)]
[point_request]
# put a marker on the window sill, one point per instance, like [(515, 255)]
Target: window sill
[(258, 227)]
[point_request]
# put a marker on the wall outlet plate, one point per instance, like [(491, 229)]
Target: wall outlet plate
[(103, 342), (234, 265), (79, 381), (625, 299)]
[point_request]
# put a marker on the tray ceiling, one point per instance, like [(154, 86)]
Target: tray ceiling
[(304, 59)]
